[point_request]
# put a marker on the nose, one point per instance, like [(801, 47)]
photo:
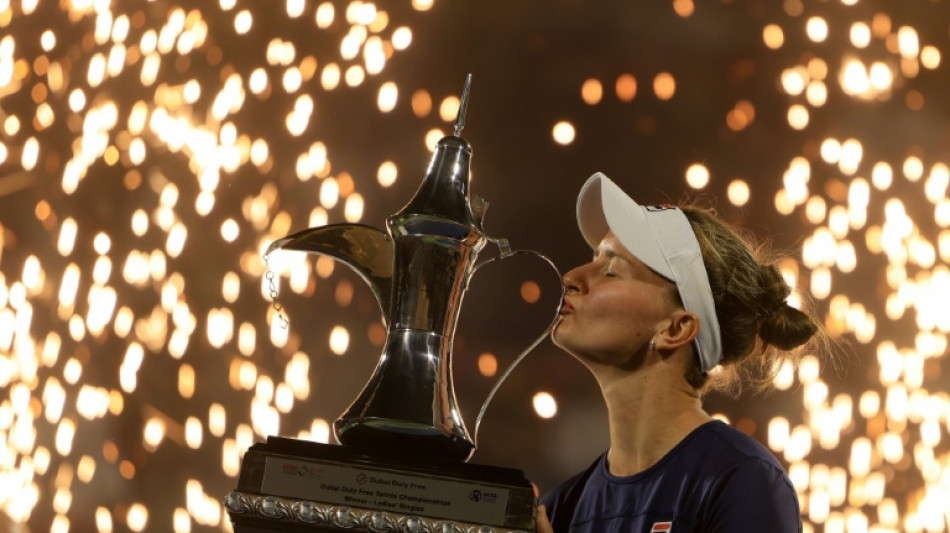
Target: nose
[(573, 280)]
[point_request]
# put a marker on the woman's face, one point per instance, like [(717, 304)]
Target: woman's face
[(613, 307)]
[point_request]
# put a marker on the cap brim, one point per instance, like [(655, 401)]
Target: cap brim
[(603, 207)]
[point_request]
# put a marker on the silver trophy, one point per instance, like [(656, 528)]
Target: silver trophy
[(419, 270), (404, 430)]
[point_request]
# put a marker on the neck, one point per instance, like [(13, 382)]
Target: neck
[(650, 411)]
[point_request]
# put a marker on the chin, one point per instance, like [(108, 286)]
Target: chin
[(563, 341), (566, 339), (557, 337)]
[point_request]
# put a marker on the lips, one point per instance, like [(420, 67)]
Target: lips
[(566, 307)]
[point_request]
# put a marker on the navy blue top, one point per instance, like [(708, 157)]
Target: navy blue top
[(716, 479)]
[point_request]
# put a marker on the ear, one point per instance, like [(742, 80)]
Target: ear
[(680, 331)]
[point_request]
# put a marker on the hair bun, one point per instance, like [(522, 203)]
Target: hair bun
[(780, 324), (787, 328), (758, 328)]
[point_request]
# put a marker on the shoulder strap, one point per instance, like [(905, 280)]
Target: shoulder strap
[(565, 509)]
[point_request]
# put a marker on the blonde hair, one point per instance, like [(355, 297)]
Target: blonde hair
[(759, 329)]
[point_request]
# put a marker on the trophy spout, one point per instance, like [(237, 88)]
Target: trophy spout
[(365, 249)]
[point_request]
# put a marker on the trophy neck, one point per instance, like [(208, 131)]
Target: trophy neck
[(408, 407), (436, 240), (430, 276)]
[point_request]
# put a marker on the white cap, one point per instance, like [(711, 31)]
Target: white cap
[(662, 238)]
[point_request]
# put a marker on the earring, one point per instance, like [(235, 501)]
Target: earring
[(652, 345)]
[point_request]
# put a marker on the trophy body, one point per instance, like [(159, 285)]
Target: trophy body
[(401, 466)]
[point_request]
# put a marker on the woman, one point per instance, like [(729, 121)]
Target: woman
[(671, 298)]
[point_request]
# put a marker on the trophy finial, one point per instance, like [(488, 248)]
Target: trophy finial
[(463, 105)]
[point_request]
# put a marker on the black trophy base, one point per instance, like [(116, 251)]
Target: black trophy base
[(294, 485)]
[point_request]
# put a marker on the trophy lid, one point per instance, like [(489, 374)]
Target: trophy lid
[(443, 193)]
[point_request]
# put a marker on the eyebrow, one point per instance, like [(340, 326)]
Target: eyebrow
[(611, 254)]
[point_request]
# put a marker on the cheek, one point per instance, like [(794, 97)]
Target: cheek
[(608, 334), (619, 312), (607, 316), (617, 306)]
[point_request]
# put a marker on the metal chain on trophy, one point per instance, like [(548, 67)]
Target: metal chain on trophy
[(504, 250), (272, 291)]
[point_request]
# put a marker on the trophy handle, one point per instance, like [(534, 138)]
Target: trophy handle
[(505, 252), (365, 249)]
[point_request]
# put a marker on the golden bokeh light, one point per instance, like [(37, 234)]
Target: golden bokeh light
[(487, 364), (544, 405), (449, 108), (683, 8), (817, 29), (421, 103), (860, 34), (563, 133), (339, 340), (626, 87), (664, 85), (592, 91), (432, 138), (530, 291), (738, 192), (388, 95), (773, 36), (697, 176), (387, 173)]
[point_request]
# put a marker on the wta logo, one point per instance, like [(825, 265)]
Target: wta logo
[(662, 527)]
